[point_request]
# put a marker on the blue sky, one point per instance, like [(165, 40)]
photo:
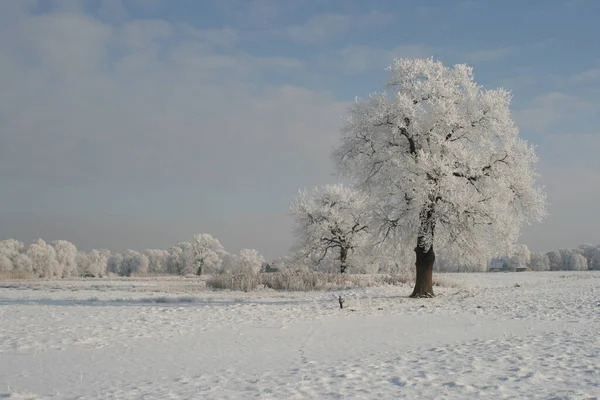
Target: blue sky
[(137, 123)]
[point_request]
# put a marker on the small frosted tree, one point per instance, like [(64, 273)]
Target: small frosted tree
[(330, 221), (204, 253), (540, 262), (577, 262), (444, 161), (10, 250), (97, 263), (132, 263), (66, 253), (555, 260), (176, 260), (157, 260), (521, 257), (113, 265), (249, 260), (592, 254), (43, 260), (6, 264)]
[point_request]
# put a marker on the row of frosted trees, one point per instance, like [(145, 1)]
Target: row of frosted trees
[(583, 258), (334, 233), (60, 259)]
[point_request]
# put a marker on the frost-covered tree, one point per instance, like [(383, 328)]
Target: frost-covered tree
[(566, 255), (592, 254), (577, 262), (113, 265), (157, 260), (6, 264), (332, 220), (539, 262), (176, 260), (443, 159), (83, 264), (132, 263), (66, 252), (249, 260), (555, 259), (521, 257), (43, 260), (10, 250), (94, 263), (204, 253)]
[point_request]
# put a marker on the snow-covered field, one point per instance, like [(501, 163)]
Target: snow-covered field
[(173, 339)]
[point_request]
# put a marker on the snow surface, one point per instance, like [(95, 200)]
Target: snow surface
[(173, 339)]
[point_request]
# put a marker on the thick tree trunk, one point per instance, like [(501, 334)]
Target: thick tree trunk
[(199, 270), (343, 256), (424, 264)]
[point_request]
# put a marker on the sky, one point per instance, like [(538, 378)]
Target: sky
[(134, 124)]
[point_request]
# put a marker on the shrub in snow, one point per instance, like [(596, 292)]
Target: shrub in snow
[(287, 281)]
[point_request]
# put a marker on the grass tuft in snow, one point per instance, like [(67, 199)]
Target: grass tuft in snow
[(16, 275)]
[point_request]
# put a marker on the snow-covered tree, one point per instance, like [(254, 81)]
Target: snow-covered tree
[(249, 260), (113, 265), (6, 264), (521, 257), (592, 254), (10, 250), (577, 262), (539, 262), (444, 161), (22, 263), (94, 263), (83, 264), (157, 260), (330, 221), (66, 253), (176, 260), (555, 259), (204, 253), (43, 260), (132, 263)]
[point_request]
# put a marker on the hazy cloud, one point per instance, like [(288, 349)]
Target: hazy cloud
[(592, 74), (322, 28), (88, 103), (358, 58), (488, 55), (550, 108)]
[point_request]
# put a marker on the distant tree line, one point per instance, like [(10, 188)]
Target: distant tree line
[(60, 259)]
